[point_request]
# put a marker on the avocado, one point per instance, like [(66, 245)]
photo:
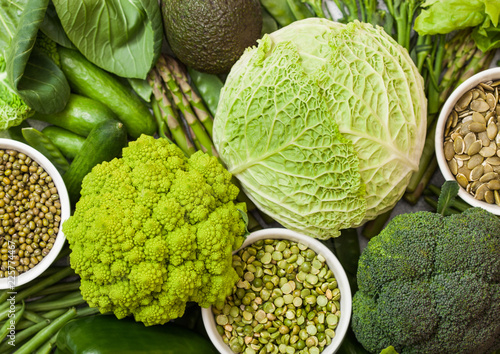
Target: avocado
[(210, 35)]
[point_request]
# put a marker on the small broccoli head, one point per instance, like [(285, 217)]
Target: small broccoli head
[(430, 284), (154, 230)]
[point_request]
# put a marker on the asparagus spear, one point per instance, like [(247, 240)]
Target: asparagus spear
[(200, 137), (168, 114)]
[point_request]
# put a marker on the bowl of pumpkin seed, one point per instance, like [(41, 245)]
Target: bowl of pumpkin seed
[(468, 140), (293, 295)]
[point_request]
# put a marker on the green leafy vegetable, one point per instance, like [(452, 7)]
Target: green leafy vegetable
[(120, 36), (34, 76), (483, 15), (448, 193), (323, 124)]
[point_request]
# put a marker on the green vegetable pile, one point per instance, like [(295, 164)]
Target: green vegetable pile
[(154, 230), (431, 284)]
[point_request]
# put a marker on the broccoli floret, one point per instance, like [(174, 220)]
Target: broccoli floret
[(431, 284), (13, 110), (154, 230)]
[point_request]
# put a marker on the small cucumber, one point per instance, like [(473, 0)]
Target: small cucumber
[(68, 142), (104, 143), (80, 115), (40, 142), (89, 80)]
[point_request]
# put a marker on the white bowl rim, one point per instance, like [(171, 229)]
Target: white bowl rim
[(333, 264), (23, 278), (473, 81)]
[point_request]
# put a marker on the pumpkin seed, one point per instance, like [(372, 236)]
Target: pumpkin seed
[(453, 165), (478, 118), (477, 127), (459, 145), (494, 184), (497, 197), (486, 86), (476, 172), (489, 197), (449, 151), (490, 99), (479, 105), (487, 151), (492, 130), (481, 190), (474, 161), (463, 102), (462, 180), (488, 177), (474, 148)]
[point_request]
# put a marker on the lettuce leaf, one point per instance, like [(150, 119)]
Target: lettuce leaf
[(445, 16)]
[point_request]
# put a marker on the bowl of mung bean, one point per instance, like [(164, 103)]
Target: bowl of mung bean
[(34, 203), (293, 296), (467, 140)]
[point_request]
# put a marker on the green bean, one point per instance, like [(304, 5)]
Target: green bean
[(72, 299), (52, 279), (40, 142), (48, 346), (42, 336), (61, 287), (53, 313), (10, 323), (66, 141), (21, 336), (33, 316), (280, 10)]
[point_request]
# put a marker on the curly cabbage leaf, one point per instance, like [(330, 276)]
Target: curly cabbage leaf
[(13, 110), (323, 124)]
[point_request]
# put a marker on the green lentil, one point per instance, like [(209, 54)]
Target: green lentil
[(286, 300)]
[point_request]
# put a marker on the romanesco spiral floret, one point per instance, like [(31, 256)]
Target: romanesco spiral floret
[(154, 230)]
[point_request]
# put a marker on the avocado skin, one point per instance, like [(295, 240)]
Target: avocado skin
[(211, 35)]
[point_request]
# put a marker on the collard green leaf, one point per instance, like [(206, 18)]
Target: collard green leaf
[(52, 28), (121, 36), (10, 12), (34, 76)]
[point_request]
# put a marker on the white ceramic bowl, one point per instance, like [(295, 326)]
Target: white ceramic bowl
[(23, 278), (483, 76), (333, 264)]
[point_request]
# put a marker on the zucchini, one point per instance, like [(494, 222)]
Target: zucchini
[(89, 80), (105, 334), (104, 143), (80, 115), (68, 142)]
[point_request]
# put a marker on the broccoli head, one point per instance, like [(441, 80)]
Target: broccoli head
[(431, 284), (154, 230)]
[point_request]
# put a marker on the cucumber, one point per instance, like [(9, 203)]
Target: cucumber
[(105, 334), (68, 142), (89, 80), (104, 143), (80, 115)]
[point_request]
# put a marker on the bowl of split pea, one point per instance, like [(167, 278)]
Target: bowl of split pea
[(293, 296), (34, 203)]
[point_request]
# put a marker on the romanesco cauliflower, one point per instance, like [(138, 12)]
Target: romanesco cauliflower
[(154, 230)]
